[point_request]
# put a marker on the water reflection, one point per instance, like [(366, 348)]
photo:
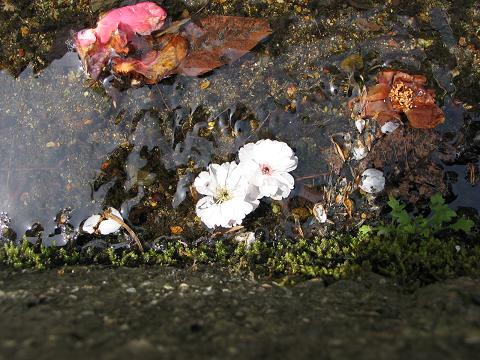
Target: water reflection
[(65, 145)]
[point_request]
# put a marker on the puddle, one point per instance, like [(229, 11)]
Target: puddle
[(65, 145)]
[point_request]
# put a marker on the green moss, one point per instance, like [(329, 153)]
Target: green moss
[(409, 260), (414, 250)]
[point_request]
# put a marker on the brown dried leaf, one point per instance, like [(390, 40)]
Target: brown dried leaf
[(348, 203), (219, 40), (341, 150), (156, 64)]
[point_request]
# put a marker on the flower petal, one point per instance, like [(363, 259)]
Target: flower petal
[(108, 226), (90, 224), (205, 183), (115, 212)]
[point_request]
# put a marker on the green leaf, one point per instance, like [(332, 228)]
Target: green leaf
[(398, 211), (364, 230), (436, 200), (395, 204), (463, 224), (441, 213)]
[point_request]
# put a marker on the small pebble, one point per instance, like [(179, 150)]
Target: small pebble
[(183, 287)]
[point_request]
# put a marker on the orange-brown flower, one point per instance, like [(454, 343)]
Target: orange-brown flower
[(398, 92)]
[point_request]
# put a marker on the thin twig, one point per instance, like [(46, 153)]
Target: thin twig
[(308, 177), (228, 231), (163, 99), (173, 28), (203, 7), (107, 214)]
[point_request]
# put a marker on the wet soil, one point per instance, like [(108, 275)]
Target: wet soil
[(120, 313)]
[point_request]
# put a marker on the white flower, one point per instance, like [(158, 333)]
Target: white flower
[(267, 164), (229, 196), (100, 224), (109, 226), (372, 181)]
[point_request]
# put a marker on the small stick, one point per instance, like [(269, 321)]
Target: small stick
[(107, 214), (228, 231), (175, 27)]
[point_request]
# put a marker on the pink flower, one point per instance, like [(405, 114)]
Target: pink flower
[(267, 164), (142, 18), (113, 32)]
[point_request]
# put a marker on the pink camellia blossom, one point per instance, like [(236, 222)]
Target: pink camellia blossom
[(114, 31), (142, 18)]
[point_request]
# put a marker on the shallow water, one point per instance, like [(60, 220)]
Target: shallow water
[(65, 144)]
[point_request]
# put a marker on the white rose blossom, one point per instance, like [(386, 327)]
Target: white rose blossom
[(267, 164), (229, 196)]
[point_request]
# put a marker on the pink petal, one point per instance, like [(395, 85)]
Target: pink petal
[(142, 18)]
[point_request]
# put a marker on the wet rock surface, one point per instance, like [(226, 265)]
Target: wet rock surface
[(117, 313)]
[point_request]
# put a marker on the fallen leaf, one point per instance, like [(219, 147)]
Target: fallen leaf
[(204, 84), (292, 91), (219, 40), (348, 206), (342, 150), (156, 64), (425, 117), (176, 230)]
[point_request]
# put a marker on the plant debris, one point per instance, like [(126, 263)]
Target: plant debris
[(123, 39), (400, 93), (114, 31), (220, 40)]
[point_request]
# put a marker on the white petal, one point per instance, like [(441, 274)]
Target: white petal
[(219, 173), (360, 125), (253, 195), (359, 151), (90, 224), (320, 213), (115, 212), (239, 209), (205, 183), (286, 179), (282, 193), (268, 189), (227, 214), (389, 127), (247, 152), (372, 181), (108, 227), (235, 178), (206, 210)]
